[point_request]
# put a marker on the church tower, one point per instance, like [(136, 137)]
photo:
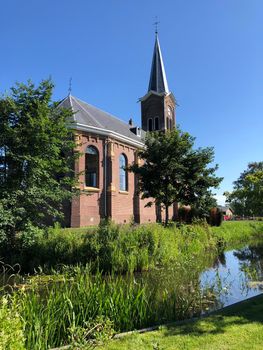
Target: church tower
[(158, 105)]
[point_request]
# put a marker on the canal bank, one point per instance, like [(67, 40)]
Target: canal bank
[(239, 326)]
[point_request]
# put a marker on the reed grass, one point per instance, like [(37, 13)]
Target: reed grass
[(54, 311), (121, 248), (235, 232), (112, 248)]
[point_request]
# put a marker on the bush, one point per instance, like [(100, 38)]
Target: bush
[(216, 217), (121, 248), (11, 326)]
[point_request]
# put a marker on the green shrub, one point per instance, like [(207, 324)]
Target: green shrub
[(122, 248), (11, 325)]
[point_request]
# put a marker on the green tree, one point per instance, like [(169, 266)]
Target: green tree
[(36, 158), (172, 171), (246, 199)]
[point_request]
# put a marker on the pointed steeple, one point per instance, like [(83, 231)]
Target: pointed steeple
[(158, 105), (158, 81)]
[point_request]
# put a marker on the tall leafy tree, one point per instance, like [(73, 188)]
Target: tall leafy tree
[(247, 195), (36, 158), (172, 171)]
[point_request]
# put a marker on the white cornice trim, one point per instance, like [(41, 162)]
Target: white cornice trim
[(151, 92), (105, 132)]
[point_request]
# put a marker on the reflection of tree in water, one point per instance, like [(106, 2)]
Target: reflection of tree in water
[(220, 260), (251, 261), (177, 292)]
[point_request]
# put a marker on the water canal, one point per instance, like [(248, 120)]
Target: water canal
[(191, 287), (207, 283), (237, 274), (187, 288)]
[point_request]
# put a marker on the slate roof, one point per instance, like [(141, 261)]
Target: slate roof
[(158, 81), (90, 116)]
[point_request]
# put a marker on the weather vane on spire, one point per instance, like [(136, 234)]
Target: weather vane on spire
[(156, 24), (70, 86)]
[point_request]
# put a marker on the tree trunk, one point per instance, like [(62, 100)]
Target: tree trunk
[(166, 214), (158, 211)]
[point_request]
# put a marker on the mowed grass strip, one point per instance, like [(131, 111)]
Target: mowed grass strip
[(237, 327)]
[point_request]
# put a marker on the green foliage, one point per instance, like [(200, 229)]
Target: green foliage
[(36, 158), (122, 248), (29, 235), (11, 325), (234, 232), (172, 171), (91, 334), (76, 304), (83, 306), (112, 247), (247, 196), (85, 309)]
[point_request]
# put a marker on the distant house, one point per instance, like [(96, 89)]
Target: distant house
[(227, 212)]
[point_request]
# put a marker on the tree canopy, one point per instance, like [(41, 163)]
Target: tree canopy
[(173, 171), (247, 195), (36, 158)]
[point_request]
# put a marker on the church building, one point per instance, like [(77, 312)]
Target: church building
[(108, 145)]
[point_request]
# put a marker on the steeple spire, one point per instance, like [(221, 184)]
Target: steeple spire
[(158, 81), (158, 105)]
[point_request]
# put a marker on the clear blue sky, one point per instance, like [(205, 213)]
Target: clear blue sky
[(212, 50)]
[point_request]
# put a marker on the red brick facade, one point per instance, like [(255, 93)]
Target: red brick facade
[(122, 206)]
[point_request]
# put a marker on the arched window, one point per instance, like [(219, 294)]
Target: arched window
[(156, 123), (123, 173), (92, 167), (171, 124), (150, 124)]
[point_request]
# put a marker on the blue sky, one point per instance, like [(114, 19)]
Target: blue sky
[(212, 50)]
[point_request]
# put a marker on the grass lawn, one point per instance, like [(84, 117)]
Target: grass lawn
[(237, 327)]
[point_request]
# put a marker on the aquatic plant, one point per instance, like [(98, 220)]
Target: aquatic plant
[(78, 306)]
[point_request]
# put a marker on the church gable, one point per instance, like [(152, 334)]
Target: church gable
[(93, 119)]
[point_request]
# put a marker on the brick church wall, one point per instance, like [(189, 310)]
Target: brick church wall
[(122, 210), (122, 206), (147, 214), (89, 206)]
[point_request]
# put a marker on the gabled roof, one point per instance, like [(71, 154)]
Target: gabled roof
[(224, 208), (90, 118), (158, 81)]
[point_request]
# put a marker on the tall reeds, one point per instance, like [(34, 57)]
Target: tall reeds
[(112, 247), (52, 311)]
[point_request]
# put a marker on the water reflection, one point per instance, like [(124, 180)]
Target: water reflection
[(239, 272), (195, 285), (220, 260), (189, 288), (176, 293)]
